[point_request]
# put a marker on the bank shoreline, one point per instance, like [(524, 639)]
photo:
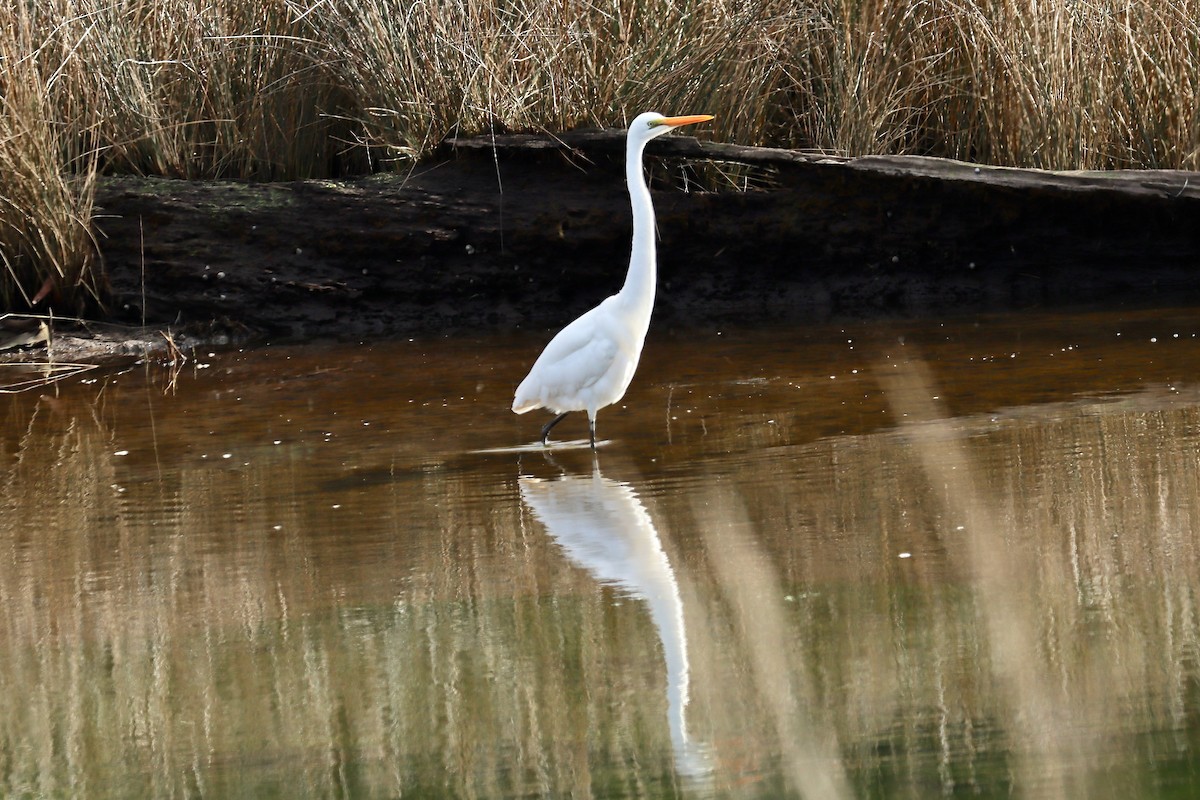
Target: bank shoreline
[(510, 232)]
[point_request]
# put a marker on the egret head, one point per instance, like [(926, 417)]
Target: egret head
[(651, 125)]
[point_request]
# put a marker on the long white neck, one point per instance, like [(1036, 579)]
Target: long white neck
[(637, 295)]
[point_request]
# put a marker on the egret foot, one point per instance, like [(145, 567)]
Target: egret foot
[(551, 424)]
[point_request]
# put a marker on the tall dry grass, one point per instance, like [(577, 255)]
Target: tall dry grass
[(46, 187), (283, 89)]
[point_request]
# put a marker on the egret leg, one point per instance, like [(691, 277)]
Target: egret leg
[(551, 424), (592, 431)]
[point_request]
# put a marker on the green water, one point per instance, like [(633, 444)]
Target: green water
[(902, 559)]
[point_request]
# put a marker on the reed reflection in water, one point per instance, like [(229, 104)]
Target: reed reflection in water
[(355, 603)]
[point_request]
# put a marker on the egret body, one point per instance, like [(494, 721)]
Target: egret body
[(590, 363)]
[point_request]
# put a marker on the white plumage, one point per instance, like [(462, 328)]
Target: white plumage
[(591, 362)]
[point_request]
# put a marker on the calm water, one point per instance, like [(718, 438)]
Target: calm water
[(873, 560)]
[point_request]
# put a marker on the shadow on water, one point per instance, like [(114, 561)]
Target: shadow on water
[(888, 560)]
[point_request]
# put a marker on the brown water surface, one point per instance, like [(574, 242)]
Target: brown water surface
[(902, 559)]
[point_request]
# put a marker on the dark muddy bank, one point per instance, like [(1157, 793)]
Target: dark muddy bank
[(525, 231)]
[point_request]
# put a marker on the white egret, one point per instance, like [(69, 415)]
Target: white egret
[(590, 363)]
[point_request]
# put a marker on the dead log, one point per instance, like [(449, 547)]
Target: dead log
[(512, 231)]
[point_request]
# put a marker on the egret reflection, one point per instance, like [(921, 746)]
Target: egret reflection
[(604, 528)]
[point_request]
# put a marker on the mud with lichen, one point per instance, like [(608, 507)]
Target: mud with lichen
[(527, 232)]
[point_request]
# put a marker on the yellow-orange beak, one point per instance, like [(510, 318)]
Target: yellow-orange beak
[(675, 122)]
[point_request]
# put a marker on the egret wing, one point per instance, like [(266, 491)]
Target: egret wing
[(572, 362)]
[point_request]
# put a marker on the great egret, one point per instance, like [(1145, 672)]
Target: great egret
[(590, 363)]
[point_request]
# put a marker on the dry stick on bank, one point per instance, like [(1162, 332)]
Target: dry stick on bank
[(30, 330)]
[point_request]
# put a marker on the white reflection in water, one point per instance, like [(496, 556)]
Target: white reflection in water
[(604, 528)]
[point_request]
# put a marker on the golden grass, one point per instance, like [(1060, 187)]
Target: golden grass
[(286, 89), (46, 190)]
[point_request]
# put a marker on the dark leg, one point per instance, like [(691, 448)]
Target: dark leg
[(592, 431), (551, 424)]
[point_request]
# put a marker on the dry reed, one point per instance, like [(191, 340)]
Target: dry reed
[(285, 88), (46, 191)]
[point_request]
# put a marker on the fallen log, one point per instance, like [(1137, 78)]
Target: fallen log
[(516, 231)]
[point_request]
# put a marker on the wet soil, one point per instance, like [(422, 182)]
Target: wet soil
[(522, 231)]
